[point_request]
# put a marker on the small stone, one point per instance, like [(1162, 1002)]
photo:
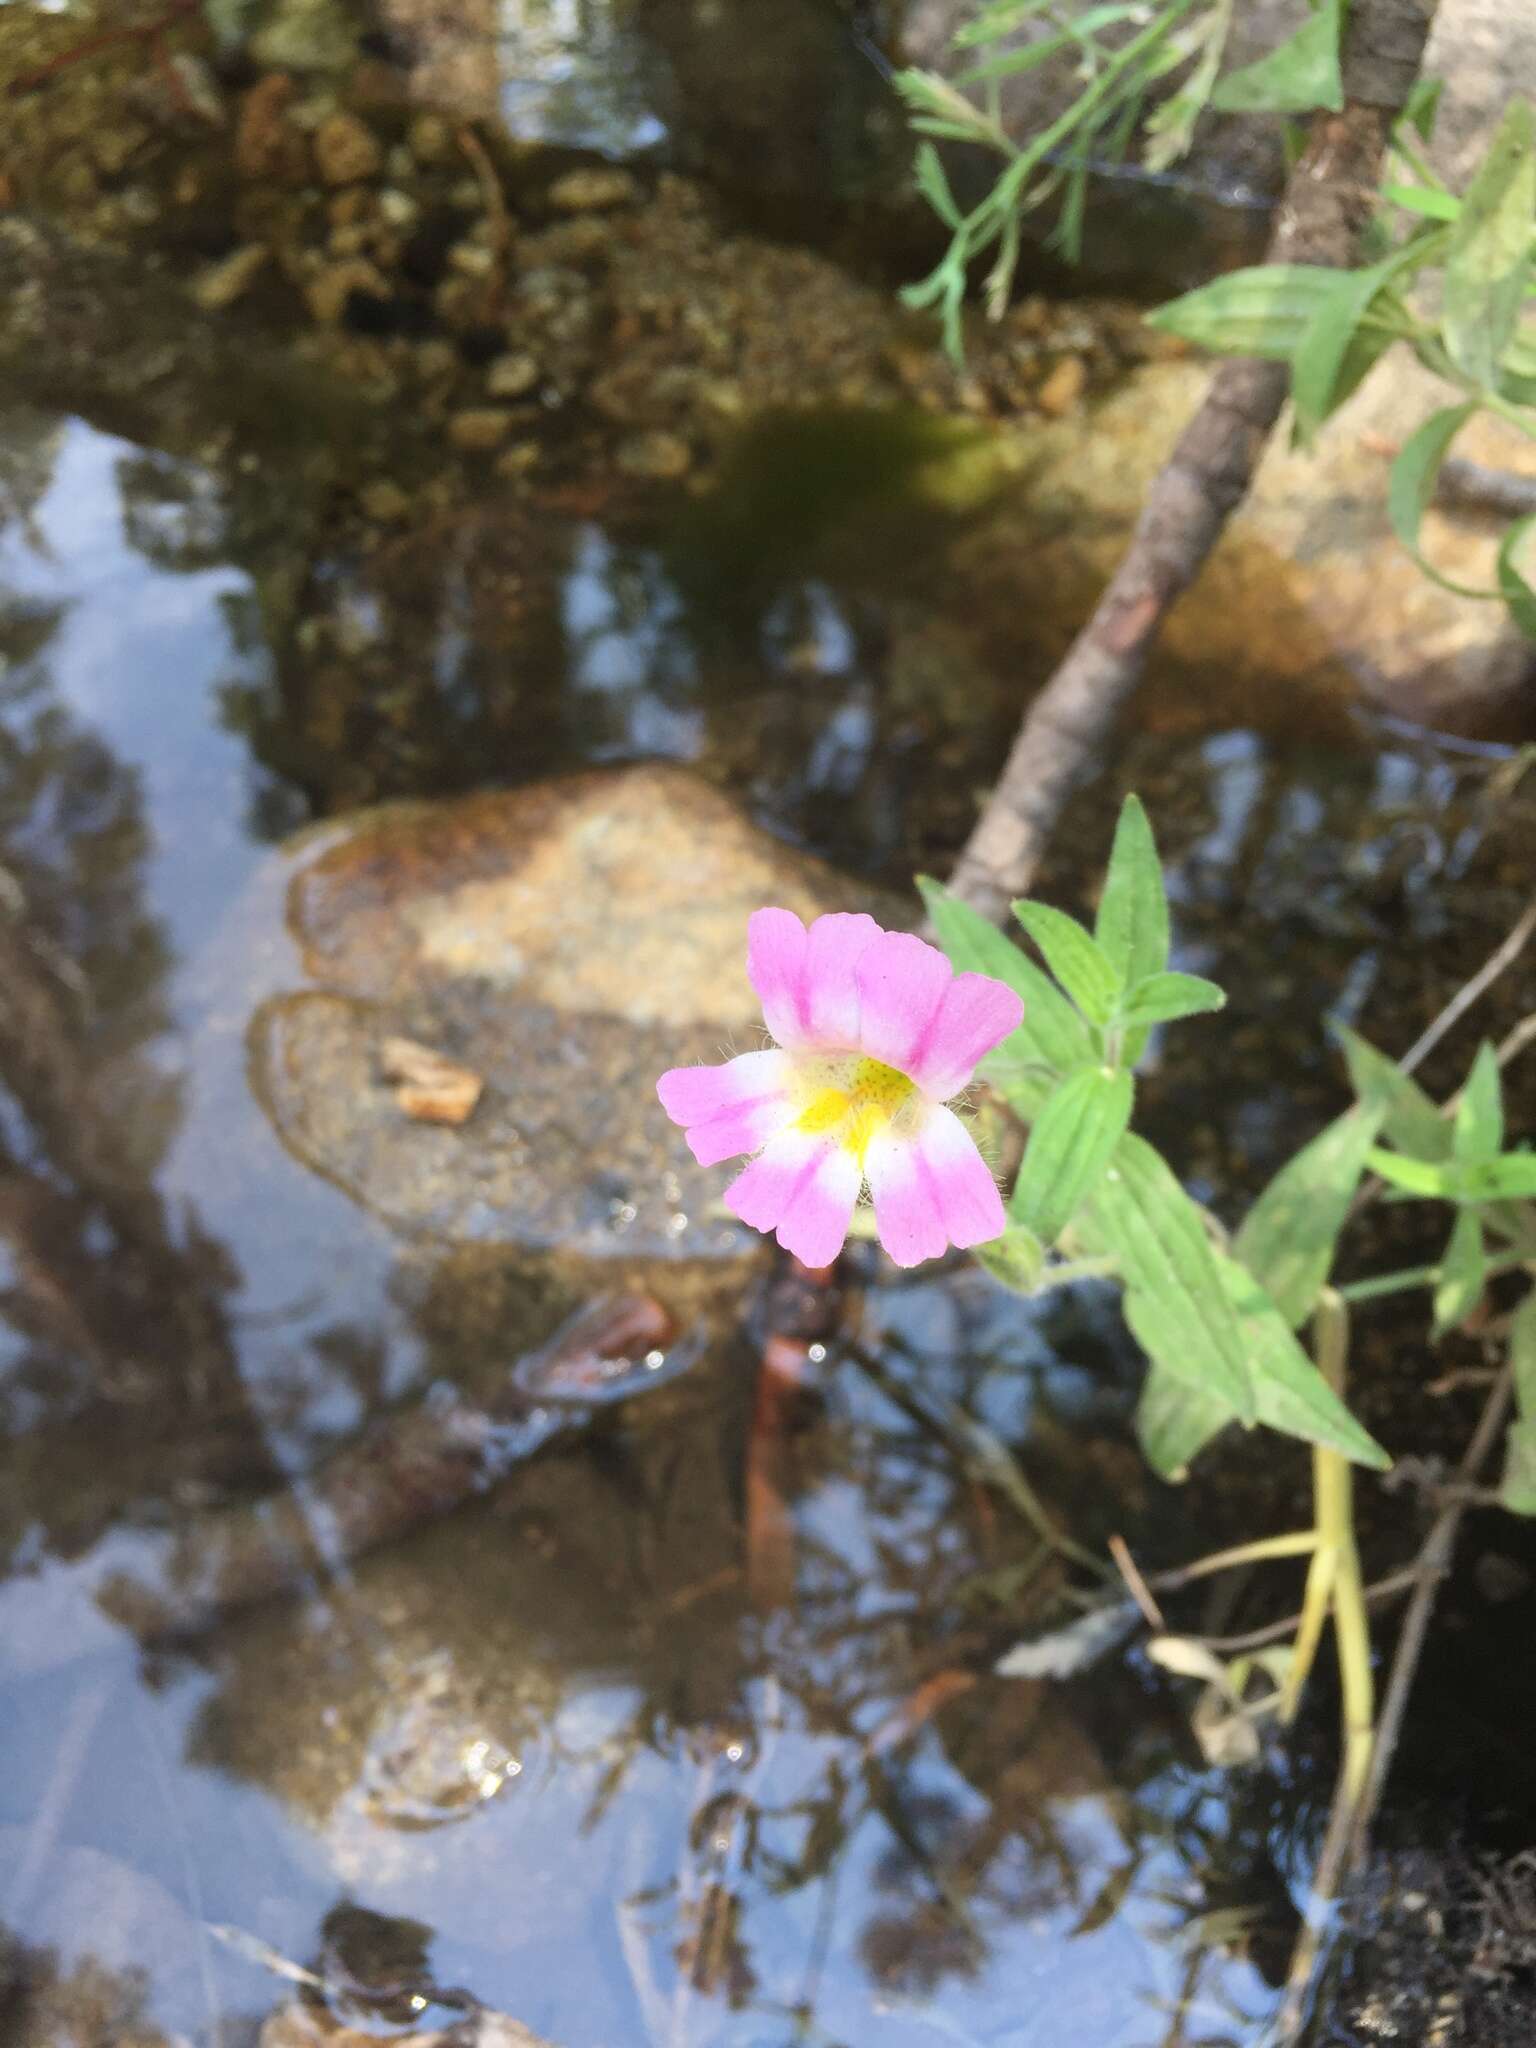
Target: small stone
[(398, 208), (384, 502), (595, 190), (519, 459), (472, 259), (347, 241), (428, 1086), (436, 361), (512, 376), (229, 279), (1063, 388), (269, 147), (329, 292), (344, 209), (431, 139), (346, 150), (657, 455), (479, 428), (115, 146)]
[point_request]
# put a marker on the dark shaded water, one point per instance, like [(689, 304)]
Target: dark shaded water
[(564, 1753)]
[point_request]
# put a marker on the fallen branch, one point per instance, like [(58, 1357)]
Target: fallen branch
[(1327, 201)]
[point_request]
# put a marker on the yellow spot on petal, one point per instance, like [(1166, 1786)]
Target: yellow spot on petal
[(849, 1098)]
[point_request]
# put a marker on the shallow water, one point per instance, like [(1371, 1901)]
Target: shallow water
[(686, 1731)]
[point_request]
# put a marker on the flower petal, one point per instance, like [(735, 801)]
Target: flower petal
[(969, 1204), (976, 1013), (746, 1128), (761, 1194), (837, 942), (776, 964), (815, 1224), (907, 1217), (901, 984), (693, 1095)]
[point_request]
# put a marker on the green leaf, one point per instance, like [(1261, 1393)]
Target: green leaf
[(1517, 1491), (1017, 1258), (1078, 962), (1411, 1119), (1302, 74), (1174, 1300), (934, 185), (1488, 260), (1029, 55), (1478, 1132), (1463, 1273), (1174, 1421), (1052, 1035), (1522, 1354), (1515, 590), (1411, 485), (1132, 924), (1423, 200), (1511, 1177), (1163, 998), (1069, 1147), (1291, 1233), (1337, 349), (1261, 311), (1290, 1393), (1422, 107)]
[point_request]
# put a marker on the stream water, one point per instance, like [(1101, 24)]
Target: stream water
[(563, 1754)]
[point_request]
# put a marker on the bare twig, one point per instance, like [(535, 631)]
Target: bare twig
[(1140, 1591), (1327, 201), (1504, 955), (498, 219), (151, 32), (1277, 1631)]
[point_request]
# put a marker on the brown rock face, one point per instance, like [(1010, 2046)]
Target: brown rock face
[(568, 943)]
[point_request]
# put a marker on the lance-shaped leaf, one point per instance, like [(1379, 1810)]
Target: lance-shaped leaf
[(1487, 263), (1261, 311), (1052, 1034), (1291, 1233), (1069, 1147), (1510, 1177), (1174, 1300), (1163, 998), (1463, 1273), (1302, 74), (1514, 587), (1347, 334), (1078, 962), (1290, 1393), (1478, 1132), (1132, 924), (1411, 485), (1174, 1420), (1518, 1491), (1410, 1118)]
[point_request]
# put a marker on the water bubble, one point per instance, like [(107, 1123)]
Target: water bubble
[(816, 1353), (655, 1360), (677, 1223)]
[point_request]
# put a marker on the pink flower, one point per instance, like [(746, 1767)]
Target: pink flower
[(875, 1032)]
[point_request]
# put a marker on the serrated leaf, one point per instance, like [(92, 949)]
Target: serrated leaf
[(1478, 1132), (1411, 485), (1175, 1421), (1290, 1394), (1164, 998), (1410, 1118), (1174, 1301), (1290, 1235), (1017, 1258), (1299, 76), (1078, 962), (1488, 259), (1070, 1145), (1132, 923), (1052, 1035), (1517, 593), (1511, 1177), (1261, 311), (1463, 1273)]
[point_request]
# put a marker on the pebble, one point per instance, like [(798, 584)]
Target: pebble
[(385, 503), (329, 292), (398, 208), (512, 376), (656, 455), (593, 191), (346, 150), (430, 139), (230, 278), (1063, 388), (479, 428)]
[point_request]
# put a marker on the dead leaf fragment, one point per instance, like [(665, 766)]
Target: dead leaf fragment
[(428, 1086)]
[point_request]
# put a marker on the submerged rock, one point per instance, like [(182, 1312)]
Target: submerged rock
[(567, 942)]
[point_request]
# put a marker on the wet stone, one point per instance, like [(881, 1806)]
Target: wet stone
[(222, 283), (559, 942), (657, 455), (512, 376), (479, 429), (593, 191)]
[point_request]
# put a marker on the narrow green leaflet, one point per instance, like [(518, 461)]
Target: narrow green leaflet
[(1516, 592), (1174, 1421), (1341, 342), (1291, 1233), (931, 181), (1029, 55), (1511, 1177), (1488, 260), (1290, 1393), (1052, 1034), (1132, 924), (1423, 200), (1410, 1118), (1478, 1132), (1069, 1147), (1261, 311), (1463, 1273), (1517, 1492), (1163, 998), (1174, 1301), (1411, 485), (1522, 1354), (1017, 1258), (1303, 73), (1078, 962)]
